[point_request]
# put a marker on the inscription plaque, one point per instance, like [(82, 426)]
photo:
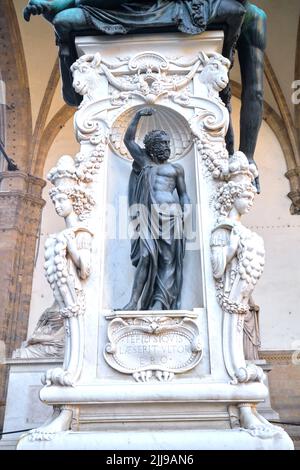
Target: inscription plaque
[(145, 346)]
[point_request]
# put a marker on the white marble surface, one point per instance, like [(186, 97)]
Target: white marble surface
[(172, 43), (183, 439)]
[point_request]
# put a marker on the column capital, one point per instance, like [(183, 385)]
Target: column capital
[(20, 181)]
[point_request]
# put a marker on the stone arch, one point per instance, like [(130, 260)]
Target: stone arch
[(14, 73), (37, 137), (52, 129)]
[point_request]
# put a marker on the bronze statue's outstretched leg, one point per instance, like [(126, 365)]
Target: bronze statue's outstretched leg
[(230, 15), (67, 21), (251, 47), (64, 23)]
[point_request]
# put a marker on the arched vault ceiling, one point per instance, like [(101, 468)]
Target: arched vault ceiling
[(40, 53), (283, 20), (17, 93)]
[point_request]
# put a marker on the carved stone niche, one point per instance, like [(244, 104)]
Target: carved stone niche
[(148, 343)]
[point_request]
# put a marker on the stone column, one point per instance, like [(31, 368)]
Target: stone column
[(21, 207), (294, 178)]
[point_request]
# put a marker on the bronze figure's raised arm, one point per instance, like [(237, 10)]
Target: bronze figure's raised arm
[(139, 154)]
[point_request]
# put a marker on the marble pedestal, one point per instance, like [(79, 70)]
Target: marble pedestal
[(24, 409), (154, 379)]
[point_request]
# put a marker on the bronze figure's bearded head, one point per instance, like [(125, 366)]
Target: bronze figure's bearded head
[(157, 145)]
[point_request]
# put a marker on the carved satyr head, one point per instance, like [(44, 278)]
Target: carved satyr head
[(157, 145), (215, 71), (86, 74)]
